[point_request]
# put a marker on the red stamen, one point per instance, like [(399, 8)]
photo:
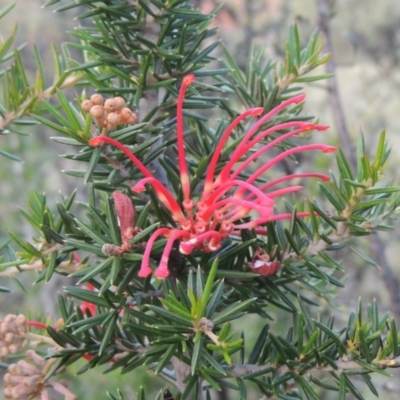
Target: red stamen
[(288, 178), (242, 149), (183, 169), (305, 127), (145, 269), (217, 152), (293, 176), (286, 190), (162, 271), (294, 100), (85, 305), (36, 324), (99, 140), (225, 171), (226, 229), (247, 205), (163, 194), (266, 201), (187, 247), (283, 155)]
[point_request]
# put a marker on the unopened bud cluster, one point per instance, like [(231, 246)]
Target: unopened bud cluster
[(23, 379), (109, 113), (12, 329)]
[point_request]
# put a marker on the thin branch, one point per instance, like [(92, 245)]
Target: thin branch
[(326, 10), (37, 266), (238, 371), (25, 107), (39, 338), (391, 282)]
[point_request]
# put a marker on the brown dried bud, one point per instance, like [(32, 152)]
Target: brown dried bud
[(131, 232), (109, 249), (262, 265), (86, 105), (206, 325), (97, 112), (97, 99), (111, 105)]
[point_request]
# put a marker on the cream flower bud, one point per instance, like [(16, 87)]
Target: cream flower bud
[(111, 105), (97, 111), (112, 118), (86, 105), (97, 99), (127, 116), (120, 103)]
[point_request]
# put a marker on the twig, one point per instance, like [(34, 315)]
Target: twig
[(325, 10), (24, 108), (391, 283), (39, 338), (342, 365), (37, 266)]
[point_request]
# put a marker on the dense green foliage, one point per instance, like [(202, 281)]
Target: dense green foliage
[(180, 327)]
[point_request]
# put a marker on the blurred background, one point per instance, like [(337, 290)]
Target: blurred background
[(364, 38)]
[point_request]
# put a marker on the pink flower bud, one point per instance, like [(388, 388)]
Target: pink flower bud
[(126, 215)]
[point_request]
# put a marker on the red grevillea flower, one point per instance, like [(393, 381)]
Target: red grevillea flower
[(85, 305), (203, 222)]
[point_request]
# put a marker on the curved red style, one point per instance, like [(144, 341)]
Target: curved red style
[(226, 197)]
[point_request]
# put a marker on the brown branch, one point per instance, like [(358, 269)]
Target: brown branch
[(325, 11), (38, 266), (238, 371), (25, 107), (389, 278)]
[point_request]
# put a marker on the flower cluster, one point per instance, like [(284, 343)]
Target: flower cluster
[(110, 113), (203, 222), (25, 380), (12, 329)]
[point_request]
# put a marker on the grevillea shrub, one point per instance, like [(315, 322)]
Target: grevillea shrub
[(207, 244)]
